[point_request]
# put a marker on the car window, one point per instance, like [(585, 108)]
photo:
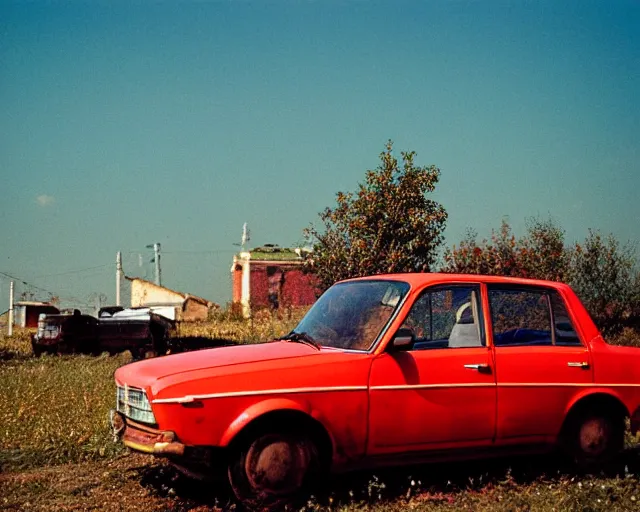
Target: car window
[(524, 317), (447, 317), (352, 315), (564, 331)]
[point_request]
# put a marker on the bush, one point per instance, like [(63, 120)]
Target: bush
[(602, 272), (540, 254), (388, 225), (605, 277)]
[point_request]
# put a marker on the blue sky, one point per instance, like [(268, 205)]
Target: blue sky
[(125, 124)]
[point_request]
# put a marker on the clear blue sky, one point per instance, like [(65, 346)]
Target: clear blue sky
[(124, 124)]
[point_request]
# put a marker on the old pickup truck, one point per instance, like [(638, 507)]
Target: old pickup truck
[(385, 370), (140, 331)]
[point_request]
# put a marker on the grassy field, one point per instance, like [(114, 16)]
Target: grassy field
[(56, 451)]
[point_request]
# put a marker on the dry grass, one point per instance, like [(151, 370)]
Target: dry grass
[(55, 409), (17, 346), (264, 325), (56, 452)]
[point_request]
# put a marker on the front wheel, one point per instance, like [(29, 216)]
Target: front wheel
[(273, 470)]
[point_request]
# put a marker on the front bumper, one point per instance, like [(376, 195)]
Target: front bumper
[(144, 439)]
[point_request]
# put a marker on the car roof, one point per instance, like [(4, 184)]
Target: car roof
[(418, 279)]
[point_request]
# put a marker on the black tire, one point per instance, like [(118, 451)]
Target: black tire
[(274, 470), (594, 438)]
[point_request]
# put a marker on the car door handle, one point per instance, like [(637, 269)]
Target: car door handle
[(480, 367), (578, 364)]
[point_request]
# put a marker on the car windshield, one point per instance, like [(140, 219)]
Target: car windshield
[(351, 315)]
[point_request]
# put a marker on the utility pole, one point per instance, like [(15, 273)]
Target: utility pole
[(118, 275), (156, 260), (156, 252), (10, 327)]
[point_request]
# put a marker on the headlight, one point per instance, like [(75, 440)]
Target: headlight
[(134, 404)]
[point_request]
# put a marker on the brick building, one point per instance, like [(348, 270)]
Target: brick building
[(271, 276), (187, 307)]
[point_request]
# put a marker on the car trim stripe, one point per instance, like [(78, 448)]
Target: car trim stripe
[(229, 394), (565, 384), (503, 384), (433, 386), (399, 387)]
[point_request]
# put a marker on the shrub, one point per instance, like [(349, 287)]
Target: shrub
[(540, 254), (388, 225)]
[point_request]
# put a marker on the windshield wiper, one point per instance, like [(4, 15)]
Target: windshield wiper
[(301, 337)]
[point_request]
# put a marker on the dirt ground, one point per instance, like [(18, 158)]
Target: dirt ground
[(129, 483), (135, 482)]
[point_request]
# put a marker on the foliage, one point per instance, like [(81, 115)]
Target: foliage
[(540, 254), (602, 272), (627, 337), (605, 276), (388, 225)]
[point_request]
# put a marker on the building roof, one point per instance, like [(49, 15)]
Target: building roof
[(184, 296), (273, 252), (32, 303)]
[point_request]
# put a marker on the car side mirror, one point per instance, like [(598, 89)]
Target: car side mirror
[(403, 340)]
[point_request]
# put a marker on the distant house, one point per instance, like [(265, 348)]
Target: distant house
[(26, 313), (271, 276), (188, 308)]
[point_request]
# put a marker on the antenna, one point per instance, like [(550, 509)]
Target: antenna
[(246, 236)]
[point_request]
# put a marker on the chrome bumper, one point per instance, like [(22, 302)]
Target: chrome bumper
[(142, 438)]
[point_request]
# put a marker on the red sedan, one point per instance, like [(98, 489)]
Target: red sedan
[(389, 370)]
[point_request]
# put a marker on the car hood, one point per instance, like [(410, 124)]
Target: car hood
[(143, 374)]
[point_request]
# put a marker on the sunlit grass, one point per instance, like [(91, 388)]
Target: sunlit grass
[(53, 410)]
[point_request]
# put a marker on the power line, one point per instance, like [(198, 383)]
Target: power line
[(75, 271), (52, 294), (25, 283)]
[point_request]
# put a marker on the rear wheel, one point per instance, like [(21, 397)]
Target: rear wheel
[(594, 438), (273, 470)]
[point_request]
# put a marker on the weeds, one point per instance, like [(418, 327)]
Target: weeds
[(53, 411)]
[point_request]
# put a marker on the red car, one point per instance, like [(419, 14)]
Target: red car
[(389, 370)]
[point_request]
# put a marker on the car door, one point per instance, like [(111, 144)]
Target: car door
[(541, 361), (441, 393)]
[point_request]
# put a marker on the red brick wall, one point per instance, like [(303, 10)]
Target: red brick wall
[(237, 284), (259, 286), (298, 289)]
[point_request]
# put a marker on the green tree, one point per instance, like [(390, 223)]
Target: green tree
[(605, 276), (388, 225)]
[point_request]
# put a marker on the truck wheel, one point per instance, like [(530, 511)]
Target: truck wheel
[(594, 438), (273, 470)]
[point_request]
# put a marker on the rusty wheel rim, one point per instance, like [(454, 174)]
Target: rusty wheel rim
[(276, 465), (594, 436)]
